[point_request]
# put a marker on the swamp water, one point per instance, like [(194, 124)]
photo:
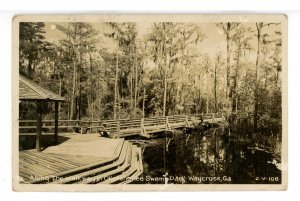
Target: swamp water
[(210, 157)]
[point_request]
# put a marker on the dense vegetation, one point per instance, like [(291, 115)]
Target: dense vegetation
[(116, 73)]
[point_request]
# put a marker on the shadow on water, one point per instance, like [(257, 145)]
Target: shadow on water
[(208, 157)]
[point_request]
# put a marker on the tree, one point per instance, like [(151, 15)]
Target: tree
[(206, 62), (79, 38), (217, 66), (169, 45), (32, 43), (228, 29), (125, 35), (241, 39), (260, 36)]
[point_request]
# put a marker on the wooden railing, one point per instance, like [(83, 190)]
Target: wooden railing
[(119, 128)]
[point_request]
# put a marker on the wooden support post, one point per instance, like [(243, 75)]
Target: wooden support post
[(81, 127), (187, 121), (168, 140), (118, 129), (142, 127), (143, 130), (39, 126), (187, 138), (144, 94), (165, 155), (88, 129), (167, 123), (56, 123)]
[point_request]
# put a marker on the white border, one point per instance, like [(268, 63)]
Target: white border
[(209, 6)]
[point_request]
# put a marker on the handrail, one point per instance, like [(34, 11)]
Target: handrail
[(29, 126)]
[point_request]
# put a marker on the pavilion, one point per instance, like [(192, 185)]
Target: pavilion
[(31, 91)]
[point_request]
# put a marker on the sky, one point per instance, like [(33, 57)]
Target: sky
[(214, 37), (213, 42)]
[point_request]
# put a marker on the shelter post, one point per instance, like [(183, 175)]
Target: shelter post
[(39, 126), (56, 123)]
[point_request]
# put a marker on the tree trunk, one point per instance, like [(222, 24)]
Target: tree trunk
[(135, 87), (30, 69), (60, 88), (90, 106), (207, 108), (144, 97), (99, 97), (228, 62), (79, 86), (200, 99), (116, 87), (215, 89), (235, 94), (255, 117), (79, 103), (167, 63), (131, 91), (30, 63), (73, 91)]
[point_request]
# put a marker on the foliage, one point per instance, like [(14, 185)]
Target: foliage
[(116, 73)]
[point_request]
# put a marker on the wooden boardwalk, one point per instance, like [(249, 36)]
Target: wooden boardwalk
[(146, 127), (82, 159)]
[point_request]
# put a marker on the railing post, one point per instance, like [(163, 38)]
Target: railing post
[(187, 121), (143, 129), (88, 130), (56, 123), (118, 129), (142, 126), (39, 127), (167, 123)]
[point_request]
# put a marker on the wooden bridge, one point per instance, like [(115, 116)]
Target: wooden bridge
[(82, 160), (146, 127), (92, 159), (86, 158)]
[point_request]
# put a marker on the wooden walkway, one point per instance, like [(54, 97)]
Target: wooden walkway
[(82, 159), (123, 127)]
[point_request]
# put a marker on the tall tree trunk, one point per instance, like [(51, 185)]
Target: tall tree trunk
[(207, 108), (215, 89), (167, 63), (99, 96), (228, 62), (30, 69), (144, 97), (131, 88), (235, 94), (200, 98), (79, 86), (259, 26), (73, 91), (30, 63), (90, 106), (116, 87), (135, 87), (60, 88), (79, 102)]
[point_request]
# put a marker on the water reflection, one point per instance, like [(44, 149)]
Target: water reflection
[(208, 157)]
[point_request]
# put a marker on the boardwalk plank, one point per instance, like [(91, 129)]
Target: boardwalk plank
[(46, 160), (92, 172)]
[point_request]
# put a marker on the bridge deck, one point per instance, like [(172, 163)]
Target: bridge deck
[(122, 127), (75, 152)]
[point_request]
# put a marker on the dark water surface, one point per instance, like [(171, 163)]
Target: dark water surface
[(209, 157)]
